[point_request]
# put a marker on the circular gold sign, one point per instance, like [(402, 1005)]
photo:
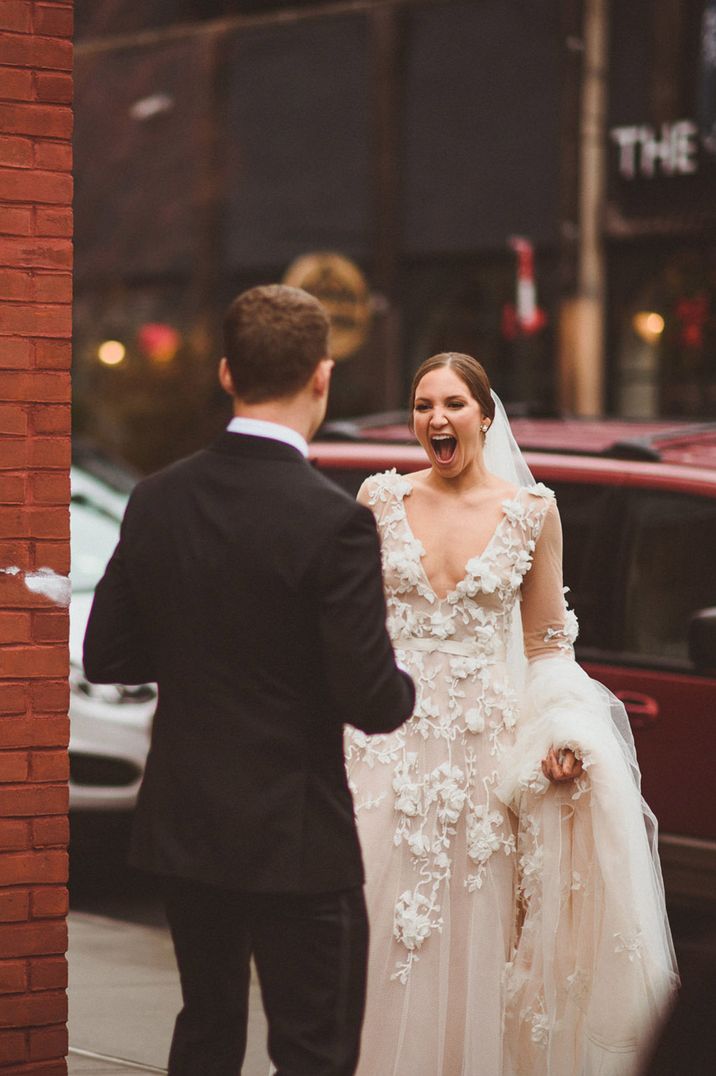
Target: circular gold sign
[(342, 288)]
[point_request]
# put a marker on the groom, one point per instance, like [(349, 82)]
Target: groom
[(249, 588)]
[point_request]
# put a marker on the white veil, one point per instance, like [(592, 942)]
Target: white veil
[(561, 706), (503, 457), (502, 454)]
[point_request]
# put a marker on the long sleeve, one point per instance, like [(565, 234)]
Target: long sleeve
[(549, 627), (366, 686), (115, 648), (560, 706)]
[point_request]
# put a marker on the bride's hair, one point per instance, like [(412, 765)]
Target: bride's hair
[(467, 369)]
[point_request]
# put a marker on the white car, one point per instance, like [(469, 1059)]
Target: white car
[(110, 724)]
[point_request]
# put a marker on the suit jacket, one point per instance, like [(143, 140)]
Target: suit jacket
[(249, 588)]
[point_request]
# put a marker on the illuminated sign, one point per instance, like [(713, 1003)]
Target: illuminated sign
[(672, 150)]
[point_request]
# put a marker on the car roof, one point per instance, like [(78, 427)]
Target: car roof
[(88, 489), (114, 473), (660, 440), (376, 456)]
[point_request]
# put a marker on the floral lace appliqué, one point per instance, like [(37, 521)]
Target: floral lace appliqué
[(443, 761), (629, 944)]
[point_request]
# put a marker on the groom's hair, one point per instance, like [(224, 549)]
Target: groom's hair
[(274, 337)]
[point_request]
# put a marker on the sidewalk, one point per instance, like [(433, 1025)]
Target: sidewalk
[(124, 996)]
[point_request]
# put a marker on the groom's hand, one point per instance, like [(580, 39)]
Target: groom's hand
[(564, 766)]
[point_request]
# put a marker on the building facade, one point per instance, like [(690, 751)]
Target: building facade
[(219, 142), (35, 347), (660, 221)]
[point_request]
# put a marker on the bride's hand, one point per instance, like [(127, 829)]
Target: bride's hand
[(564, 766)]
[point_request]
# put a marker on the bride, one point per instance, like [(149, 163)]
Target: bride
[(517, 911)]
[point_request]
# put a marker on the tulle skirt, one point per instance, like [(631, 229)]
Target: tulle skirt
[(559, 963)]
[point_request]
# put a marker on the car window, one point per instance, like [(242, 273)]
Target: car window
[(94, 534), (669, 571), (585, 510)]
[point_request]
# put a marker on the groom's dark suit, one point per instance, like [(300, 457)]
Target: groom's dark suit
[(249, 588)]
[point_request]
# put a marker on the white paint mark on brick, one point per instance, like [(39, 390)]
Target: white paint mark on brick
[(44, 581), (55, 587)]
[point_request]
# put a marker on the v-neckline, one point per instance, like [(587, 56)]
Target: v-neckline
[(479, 557)]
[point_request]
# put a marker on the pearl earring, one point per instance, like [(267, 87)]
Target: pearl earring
[(485, 427)]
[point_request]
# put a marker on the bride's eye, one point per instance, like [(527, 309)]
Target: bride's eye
[(456, 405), (422, 407)]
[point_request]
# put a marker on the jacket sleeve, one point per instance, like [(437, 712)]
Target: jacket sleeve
[(367, 688), (115, 648)]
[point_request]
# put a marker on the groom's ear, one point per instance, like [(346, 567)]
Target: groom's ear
[(322, 376), (225, 379)]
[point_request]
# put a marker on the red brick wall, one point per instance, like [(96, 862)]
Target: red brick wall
[(35, 332)]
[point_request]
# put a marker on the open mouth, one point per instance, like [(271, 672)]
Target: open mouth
[(444, 446)]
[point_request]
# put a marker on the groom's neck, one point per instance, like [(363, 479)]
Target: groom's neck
[(292, 413)]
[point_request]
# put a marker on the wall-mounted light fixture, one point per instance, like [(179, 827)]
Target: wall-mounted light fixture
[(648, 325)]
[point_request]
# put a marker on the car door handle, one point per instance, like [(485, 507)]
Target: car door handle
[(642, 710)]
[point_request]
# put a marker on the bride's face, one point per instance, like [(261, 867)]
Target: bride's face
[(447, 420)]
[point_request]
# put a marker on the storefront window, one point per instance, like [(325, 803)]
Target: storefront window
[(145, 385), (467, 305), (665, 329)]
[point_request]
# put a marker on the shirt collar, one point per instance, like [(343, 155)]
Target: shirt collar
[(258, 427)]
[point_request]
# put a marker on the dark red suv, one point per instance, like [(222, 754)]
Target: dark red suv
[(638, 506)]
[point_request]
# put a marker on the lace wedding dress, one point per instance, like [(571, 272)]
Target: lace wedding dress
[(517, 927)]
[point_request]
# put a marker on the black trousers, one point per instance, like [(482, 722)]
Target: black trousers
[(310, 953)]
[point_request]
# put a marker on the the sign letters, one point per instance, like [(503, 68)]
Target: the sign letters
[(671, 151)]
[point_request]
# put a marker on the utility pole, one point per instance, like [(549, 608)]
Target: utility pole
[(583, 315), (387, 82)]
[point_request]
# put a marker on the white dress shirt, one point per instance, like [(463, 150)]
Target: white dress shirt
[(258, 427)]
